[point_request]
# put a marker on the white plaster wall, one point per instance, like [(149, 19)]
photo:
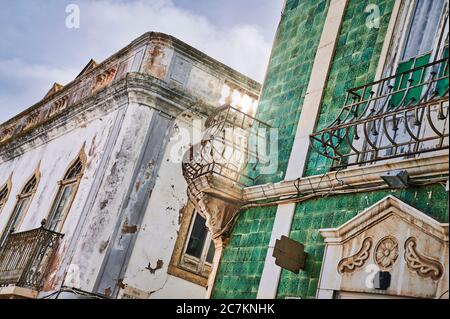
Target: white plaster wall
[(54, 157), (101, 221), (176, 288), (159, 231)]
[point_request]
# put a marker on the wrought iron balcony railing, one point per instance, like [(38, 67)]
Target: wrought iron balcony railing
[(25, 256), (233, 146), (399, 116)]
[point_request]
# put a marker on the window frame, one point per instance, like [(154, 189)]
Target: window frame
[(203, 266), (62, 184), (7, 229), (176, 266), (399, 40), (7, 185)]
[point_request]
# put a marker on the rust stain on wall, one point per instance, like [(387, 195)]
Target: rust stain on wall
[(51, 280), (128, 229), (159, 265), (154, 65)]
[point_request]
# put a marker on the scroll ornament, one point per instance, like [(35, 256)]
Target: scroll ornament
[(353, 263), (424, 266)]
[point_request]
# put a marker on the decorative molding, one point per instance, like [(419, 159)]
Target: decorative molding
[(105, 78), (390, 205), (386, 253), (96, 77), (424, 266), (351, 178), (355, 262)]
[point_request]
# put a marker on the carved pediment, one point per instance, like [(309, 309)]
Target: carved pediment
[(389, 236)]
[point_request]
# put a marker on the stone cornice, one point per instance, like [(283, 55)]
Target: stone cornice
[(103, 75), (134, 88)]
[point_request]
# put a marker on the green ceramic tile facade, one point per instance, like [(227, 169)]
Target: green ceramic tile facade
[(333, 212), (243, 260), (288, 74), (355, 62)]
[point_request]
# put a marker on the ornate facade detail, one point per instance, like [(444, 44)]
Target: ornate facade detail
[(424, 266), (386, 253), (219, 214), (355, 262), (59, 105), (224, 161), (104, 78)]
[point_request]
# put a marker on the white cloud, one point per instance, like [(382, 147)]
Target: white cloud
[(113, 25), (107, 26), (27, 84)]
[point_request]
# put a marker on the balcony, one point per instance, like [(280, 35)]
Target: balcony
[(232, 148), (228, 159), (401, 116), (24, 260)]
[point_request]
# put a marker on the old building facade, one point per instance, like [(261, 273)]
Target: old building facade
[(358, 205), (93, 201), (333, 185)]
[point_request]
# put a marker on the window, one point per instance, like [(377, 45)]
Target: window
[(426, 40), (4, 192), (423, 28), (194, 250), (21, 207), (199, 253), (66, 193)]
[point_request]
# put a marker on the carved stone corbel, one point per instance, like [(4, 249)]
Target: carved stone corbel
[(219, 214)]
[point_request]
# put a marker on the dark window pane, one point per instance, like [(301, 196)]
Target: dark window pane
[(30, 186), (75, 170), (3, 195), (211, 251), (198, 236), (18, 212), (63, 199)]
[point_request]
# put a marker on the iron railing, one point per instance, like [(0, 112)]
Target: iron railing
[(399, 116), (25, 256), (233, 146)]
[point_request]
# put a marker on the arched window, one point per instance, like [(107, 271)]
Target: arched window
[(4, 192), (66, 193), (22, 205)]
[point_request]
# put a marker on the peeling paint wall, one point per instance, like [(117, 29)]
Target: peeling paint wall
[(53, 158), (122, 227), (151, 256)]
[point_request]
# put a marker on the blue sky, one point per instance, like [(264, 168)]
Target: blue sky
[(36, 48)]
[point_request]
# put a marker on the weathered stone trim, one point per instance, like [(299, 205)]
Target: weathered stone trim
[(36, 115), (364, 176), (141, 88)]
